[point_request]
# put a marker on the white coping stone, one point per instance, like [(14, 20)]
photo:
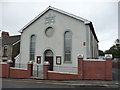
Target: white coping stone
[(46, 63), (93, 60), (9, 61), (3, 62), (62, 72), (81, 56), (18, 68), (30, 62), (108, 56)]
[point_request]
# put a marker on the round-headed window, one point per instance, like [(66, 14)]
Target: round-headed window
[(49, 31)]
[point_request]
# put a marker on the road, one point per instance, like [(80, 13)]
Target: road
[(31, 83), (15, 83)]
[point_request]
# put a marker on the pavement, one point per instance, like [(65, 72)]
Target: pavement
[(100, 83), (84, 82)]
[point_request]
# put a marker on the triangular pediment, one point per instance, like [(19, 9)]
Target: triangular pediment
[(87, 22), (57, 10)]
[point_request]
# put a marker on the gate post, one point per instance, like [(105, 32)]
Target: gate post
[(9, 64), (108, 67), (30, 68), (45, 69), (80, 66)]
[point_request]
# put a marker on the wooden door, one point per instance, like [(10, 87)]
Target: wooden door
[(50, 59)]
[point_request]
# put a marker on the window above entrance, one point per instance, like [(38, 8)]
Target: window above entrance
[(49, 31)]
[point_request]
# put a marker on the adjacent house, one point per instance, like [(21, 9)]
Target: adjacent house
[(9, 46), (58, 37)]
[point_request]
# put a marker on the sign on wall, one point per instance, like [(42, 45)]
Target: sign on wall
[(38, 59), (50, 19), (58, 60)]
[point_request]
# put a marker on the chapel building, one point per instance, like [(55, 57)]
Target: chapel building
[(58, 37)]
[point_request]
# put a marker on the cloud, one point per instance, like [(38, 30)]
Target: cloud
[(104, 16)]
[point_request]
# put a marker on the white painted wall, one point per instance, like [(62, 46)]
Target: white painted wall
[(56, 42), (90, 40)]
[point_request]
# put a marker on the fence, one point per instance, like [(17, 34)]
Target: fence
[(116, 63), (38, 70), (21, 65)]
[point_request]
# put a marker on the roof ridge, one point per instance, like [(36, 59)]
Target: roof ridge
[(68, 13), (55, 9), (12, 36)]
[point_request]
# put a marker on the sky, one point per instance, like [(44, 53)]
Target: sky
[(102, 13)]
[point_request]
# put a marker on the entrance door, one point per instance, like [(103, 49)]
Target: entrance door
[(49, 57)]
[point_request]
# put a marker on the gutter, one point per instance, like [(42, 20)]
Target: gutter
[(16, 42)]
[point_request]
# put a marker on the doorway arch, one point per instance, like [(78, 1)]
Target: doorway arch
[(48, 56)]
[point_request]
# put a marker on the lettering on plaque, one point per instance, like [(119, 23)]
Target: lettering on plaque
[(50, 19)]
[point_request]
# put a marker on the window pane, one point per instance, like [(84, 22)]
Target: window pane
[(49, 31), (67, 35), (5, 51), (67, 49), (67, 46), (68, 57), (68, 42), (32, 48)]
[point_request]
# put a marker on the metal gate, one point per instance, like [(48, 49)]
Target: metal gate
[(38, 71)]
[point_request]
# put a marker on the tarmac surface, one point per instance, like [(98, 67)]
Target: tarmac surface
[(36, 83)]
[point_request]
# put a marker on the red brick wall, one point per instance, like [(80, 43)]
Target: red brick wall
[(80, 68), (17, 73), (45, 69), (94, 70), (4, 68), (108, 68), (86, 70), (7, 71), (62, 76)]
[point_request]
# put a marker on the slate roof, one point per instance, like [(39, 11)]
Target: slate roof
[(10, 40)]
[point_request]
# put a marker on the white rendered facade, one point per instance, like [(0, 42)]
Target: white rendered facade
[(60, 22)]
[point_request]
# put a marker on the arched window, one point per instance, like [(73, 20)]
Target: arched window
[(5, 51), (32, 47), (67, 45)]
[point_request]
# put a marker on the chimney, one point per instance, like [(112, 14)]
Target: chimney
[(5, 34)]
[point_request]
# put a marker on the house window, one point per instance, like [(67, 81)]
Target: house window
[(67, 46), (5, 51), (32, 47)]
